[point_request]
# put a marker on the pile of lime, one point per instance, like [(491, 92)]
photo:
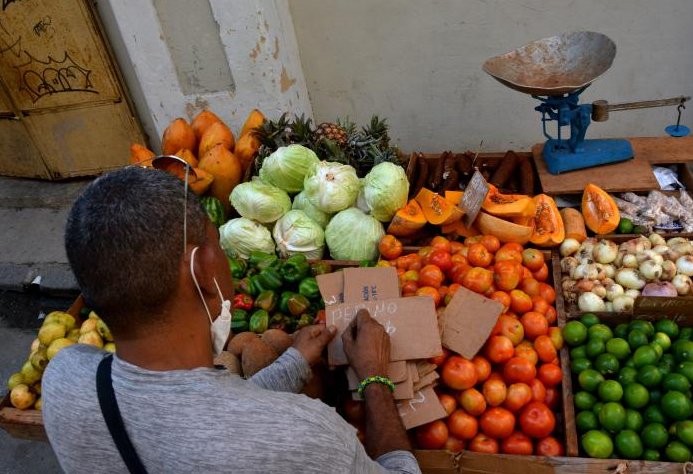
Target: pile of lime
[(632, 388)]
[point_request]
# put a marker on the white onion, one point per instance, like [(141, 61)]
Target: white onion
[(568, 264), (613, 291), (649, 255), (657, 239), (636, 245), (677, 240), (601, 271), (599, 290), (619, 258), (682, 248), (569, 247), (630, 278), (650, 270), (623, 304), (633, 293), (609, 271), (629, 261), (668, 270), (585, 270), (684, 265), (683, 284), (590, 302), (605, 251)]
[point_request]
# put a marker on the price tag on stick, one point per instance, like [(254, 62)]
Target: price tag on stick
[(473, 198)]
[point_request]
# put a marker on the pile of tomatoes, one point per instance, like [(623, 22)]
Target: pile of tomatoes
[(504, 399)]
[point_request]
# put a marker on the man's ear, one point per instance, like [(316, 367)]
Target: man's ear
[(204, 268)]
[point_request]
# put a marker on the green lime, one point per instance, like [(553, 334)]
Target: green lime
[(580, 365), (610, 391), (597, 444), (644, 326), (654, 414), (578, 352), (627, 375), (574, 333), (637, 338), (629, 363), (618, 347), (659, 350), (628, 444), (644, 355), (684, 431), (686, 369), (589, 319), (584, 400), (655, 396), (621, 331), (625, 226), (683, 350), (668, 327), (612, 417), (654, 436), (597, 408), (649, 376), (676, 382), (586, 421), (594, 347), (667, 364), (600, 331), (635, 395), (676, 451), (634, 420), (676, 405), (663, 340), (590, 379), (686, 333), (607, 364), (651, 455)]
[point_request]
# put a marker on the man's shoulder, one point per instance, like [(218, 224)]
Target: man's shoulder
[(76, 359)]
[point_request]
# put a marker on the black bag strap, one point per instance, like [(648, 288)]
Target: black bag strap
[(114, 421)]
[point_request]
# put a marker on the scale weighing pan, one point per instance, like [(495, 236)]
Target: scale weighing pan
[(556, 65)]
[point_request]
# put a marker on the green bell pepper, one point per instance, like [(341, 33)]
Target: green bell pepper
[(238, 267), (298, 304), (309, 288), (259, 321), (245, 285), (280, 321), (270, 279), (320, 268), (304, 320), (295, 268), (239, 321), (262, 260), (266, 300), (284, 301)]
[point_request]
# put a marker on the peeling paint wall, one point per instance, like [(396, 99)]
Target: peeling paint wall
[(419, 64)]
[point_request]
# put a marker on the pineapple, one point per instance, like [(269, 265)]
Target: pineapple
[(331, 131)]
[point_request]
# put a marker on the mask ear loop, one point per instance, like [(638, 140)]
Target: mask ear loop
[(197, 285)]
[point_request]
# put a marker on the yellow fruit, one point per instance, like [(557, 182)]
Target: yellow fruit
[(30, 373), (35, 345), (22, 397), (73, 335), (227, 172), (91, 338), (93, 315), (254, 120), (109, 347), (38, 405), (66, 319), (39, 359), (217, 134), (50, 332), (57, 345), (103, 330), (14, 380), (88, 325), (179, 134)]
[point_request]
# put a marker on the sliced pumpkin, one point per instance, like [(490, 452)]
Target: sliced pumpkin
[(460, 229), (548, 223), (507, 205), (505, 231), (435, 207), (599, 210), (407, 220), (574, 224), (454, 197)]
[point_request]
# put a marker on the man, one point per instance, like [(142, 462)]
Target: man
[(161, 291)]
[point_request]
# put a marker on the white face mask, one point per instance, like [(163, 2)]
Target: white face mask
[(220, 328)]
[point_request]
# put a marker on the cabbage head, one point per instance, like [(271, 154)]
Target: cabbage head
[(260, 201), (287, 167), (332, 187), (302, 203), (353, 235), (385, 190), (240, 236), (296, 233)]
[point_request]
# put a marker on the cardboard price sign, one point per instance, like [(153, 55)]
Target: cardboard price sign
[(370, 284), (422, 408), (474, 195), (679, 307)]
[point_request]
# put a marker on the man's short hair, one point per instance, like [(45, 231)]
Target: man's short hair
[(124, 241)]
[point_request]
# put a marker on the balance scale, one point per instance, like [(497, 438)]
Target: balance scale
[(556, 71)]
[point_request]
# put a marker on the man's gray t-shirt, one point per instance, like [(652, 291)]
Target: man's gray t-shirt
[(202, 420)]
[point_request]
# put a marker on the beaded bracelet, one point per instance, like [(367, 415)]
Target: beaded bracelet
[(375, 379)]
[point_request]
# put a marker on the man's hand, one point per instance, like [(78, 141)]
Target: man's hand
[(367, 346), (311, 340)]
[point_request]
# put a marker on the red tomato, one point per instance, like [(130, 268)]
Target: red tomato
[(556, 337), (455, 247), (423, 254), (432, 435), (390, 247), (509, 327), (550, 375), (459, 373), (448, 402), (540, 305), (499, 349), (538, 390), (452, 289), (441, 243), (491, 243), (454, 445), (430, 291), (551, 315), (476, 239), (483, 444), (517, 443), (458, 271), (459, 258), (507, 274), (503, 298), (526, 350), (545, 349), (530, 286), (549, 446), (519, 369), (409, 288), (547, 292), (430, 275), (542, 274), (440, 259), (479, 256), (520, 302), (478, 280), (472, 401), (462, 425), (519, 395), (497, 422), (535, 325), (537, 420), (495, 391), (532, 259), (507, 252), (411, 275), (553, 397), (441, 358), (482, 367)]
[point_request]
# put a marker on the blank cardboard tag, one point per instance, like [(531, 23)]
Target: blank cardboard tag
[(422, 408), (469, 319), (370, 284), (474, 195), (411, 323), (424, 367), (331, 286), (413, 373), (428, 379), (396, 372)]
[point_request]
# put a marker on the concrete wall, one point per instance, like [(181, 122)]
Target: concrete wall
[(419, 64)]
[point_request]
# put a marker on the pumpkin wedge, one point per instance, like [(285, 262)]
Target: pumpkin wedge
[(505, 231), (507, 205), (460, 229), (574, 224), (436, 208), (548, 223), (407, 220), (599, 210)]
